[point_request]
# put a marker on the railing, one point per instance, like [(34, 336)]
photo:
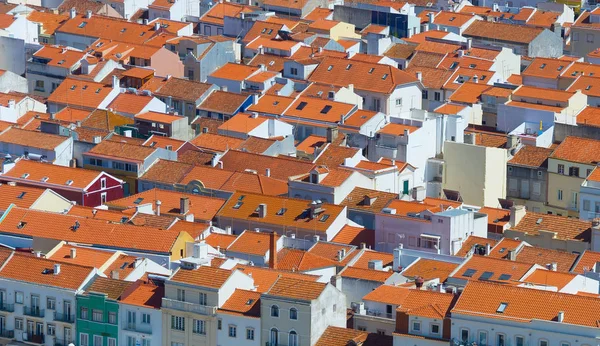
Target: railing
[(144, 328), (7, 307), (377, 313), (35, 338), (7, 334), (33, 311), (66, 318), (189, 307), (61, 342)]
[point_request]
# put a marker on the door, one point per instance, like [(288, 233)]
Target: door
[(35, 305), (2, 298), (131, 319), (405, 187), (68, 337), (2, 325), (39, 328), (67, 308), (525, 188)]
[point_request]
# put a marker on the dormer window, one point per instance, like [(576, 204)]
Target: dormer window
[(314, 178), (501, 308)]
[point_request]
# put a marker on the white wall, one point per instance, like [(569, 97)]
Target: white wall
[(154, 328), (242, 323)]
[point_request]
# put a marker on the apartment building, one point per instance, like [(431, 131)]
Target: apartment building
[(527, 174), (37, 146), (50, 65), (140, 314)]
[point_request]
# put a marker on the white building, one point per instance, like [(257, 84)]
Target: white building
[(37, 146), (38, 304), (140, 316), (239, 318)]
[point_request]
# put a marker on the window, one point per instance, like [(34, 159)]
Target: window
[(50, 303), (437, 96), (180, 295), (293, 314), (39, 85), (83, 313), (112, 317), (84, 339), (575, 36), (207, 30), (178, 323), (537, 188), (543, 343), (586, 204), (19, 297), (501, 308), (398, 102), (519, 341), (18, 323), (97, 315), (425, 94), (464, 335), (145, 318), (564, 343), (274, 311), (98, 340), (103, 183), (199, 327), (249, 334), (219, 324), (294, 71), (559, 195), (146, 342), (190, 74), (574, 171), (416, 326), (293, 339), (589, 38), (574, 199), (483, 338), (112, 342), (435, 329), (561, 169), (203, 299), (232, 331), (500, 340)]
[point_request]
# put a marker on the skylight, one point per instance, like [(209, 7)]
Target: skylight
[(588, 87), (281, 211), (69, 182), (349, 66), (371, 70), (330, 68), (542, 66), (138, 200), (504, 277), (241, 198), (469, 273), (82, 24), (486, 276), (501, 308), (385, 75), (21, 195), (301, 105), (560, 67), (326, 109), (453, 66), (324, 217), (238, 205), (25, 175)]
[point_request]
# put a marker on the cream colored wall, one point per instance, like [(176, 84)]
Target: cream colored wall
[(495, 176), (50, 201), (566, 183), (465, 171), (343, 30)]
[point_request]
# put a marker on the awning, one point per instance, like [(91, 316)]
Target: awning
[(432, 236)]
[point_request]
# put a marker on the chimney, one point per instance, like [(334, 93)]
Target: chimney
[(158, 203), (38, 254), (157, 25), (224, 88), (88, 14), (56, 269), (262, 210), (469, 43), (342, 119), (419, 282), (332, 133), (12, 103), (517, 212), (272, 251), (184, 205), (512, 141), (268, 172), (115, 82), (431, 16), (512, 255), (561, 316), (72, 13), (488, 249), (554, 266), (114, 274), (74, 251), (420, 76), (475, 79)]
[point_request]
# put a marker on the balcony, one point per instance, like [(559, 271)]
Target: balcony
[(376, 313), (7, 307), (33, 311), (7, 334), (143, 328), (189, 307), (65, 318), (61, 342), (35, 338)]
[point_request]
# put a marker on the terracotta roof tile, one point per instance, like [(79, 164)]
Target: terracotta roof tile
[(544, 257), (272, 62), (362, 260), (177, 88), (531, 156), (223, 102), (488, 139), (577, 149), (146, 295), (21, 196), (264, 278), (58, 175), (430, 269), (355, 236), (217, 240), (298, 260), (111, 287), (123, 265), (364, 76), (202, 207), (167, 172), (296, 289), (203, 276), (130, 103), (59, 56), (365, 274), (587, 262), (149, 116), (40, 271), (503, 32), (93, 213), (471, 241), (216, 142), (105, 120), (365, 199), (484, 299), (543, 277), (251, 242), (243, 302), (335, 155), (281, 167), (80, 93), (491, 269), (32, 139), (500, 250)]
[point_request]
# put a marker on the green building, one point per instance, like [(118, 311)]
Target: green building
[(98, 312)]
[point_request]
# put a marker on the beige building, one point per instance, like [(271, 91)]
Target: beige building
[(477, 172), (192, 297), (568, 166), (296, 312)]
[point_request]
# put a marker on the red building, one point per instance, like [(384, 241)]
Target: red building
[(83, 186)]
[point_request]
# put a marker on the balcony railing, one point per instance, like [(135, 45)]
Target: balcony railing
[(377, 313), (35, 338), (7, 334), (61, 342), (189, 307), (7, 307), (33, 311), (66, 318), (144, 328)]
